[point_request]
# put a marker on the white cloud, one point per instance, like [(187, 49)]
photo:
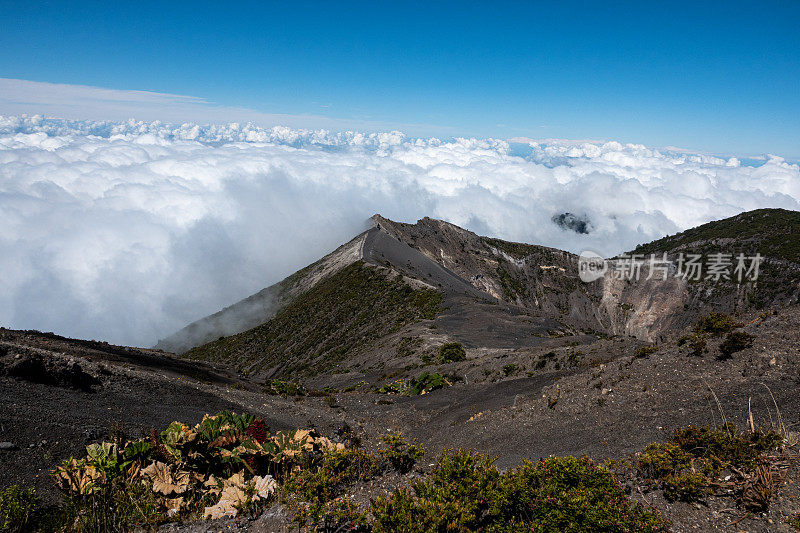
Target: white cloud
[(126, 231), (82, 102)]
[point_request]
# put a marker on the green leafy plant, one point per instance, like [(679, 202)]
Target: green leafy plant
[(137, 451), (425, 383), (17, 506), (106, 458), (213, 427)]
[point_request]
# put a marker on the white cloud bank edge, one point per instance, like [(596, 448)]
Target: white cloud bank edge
[(85, 102)]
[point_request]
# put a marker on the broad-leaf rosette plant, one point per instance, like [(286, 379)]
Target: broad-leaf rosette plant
[(221, 467)]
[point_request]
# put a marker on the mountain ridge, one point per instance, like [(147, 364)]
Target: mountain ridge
[(497, 295)]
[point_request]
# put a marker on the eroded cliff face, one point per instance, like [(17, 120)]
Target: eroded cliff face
[(644, 309), (544, 281)]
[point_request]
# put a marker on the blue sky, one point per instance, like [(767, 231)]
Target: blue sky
[(695, 75)]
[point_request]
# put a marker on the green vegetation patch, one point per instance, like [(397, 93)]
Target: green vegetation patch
[(17, 506), (689, 465), (452, 352), (770, 232), (645, 351), (401, 454), (716, 324), (697, 343), (425, 383), (509, 369), (466, 492), (342, 314), (315, 494), (284, 388)]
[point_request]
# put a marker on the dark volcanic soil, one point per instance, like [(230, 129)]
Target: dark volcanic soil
[(609, 404)]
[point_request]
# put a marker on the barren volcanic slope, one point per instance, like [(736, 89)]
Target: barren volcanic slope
[(398, 291), (455, 340), (493, 295)]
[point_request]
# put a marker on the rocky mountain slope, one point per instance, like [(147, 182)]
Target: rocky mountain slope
[(400, 289)]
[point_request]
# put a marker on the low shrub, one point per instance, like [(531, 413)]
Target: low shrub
[(697, 342), (284, 388), (736, 341), (316, 492), (716, 324), (687, 466), (17, 506), (451, 352), (465, 492), (455, 496), (400, 454), (662, 459), (689, 487), (509, 369), (425, 383), (645, 351), (726, 445)]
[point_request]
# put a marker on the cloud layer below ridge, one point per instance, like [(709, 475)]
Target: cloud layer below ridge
[(128, 231)]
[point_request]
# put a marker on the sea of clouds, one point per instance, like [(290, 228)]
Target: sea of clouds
[(127, 231)]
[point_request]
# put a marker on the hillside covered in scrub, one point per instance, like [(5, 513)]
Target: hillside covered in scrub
[(231, 468), (425, 378)]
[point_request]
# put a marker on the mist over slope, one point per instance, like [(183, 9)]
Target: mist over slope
[(128, 231)]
